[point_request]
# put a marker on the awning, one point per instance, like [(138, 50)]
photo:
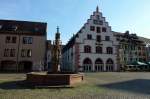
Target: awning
[(140, 63), (137, 63)]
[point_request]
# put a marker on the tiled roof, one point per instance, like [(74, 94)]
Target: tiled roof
[(24, 27), (145, 40)]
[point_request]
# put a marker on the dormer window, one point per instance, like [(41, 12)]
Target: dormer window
[(14, 27), (1, 26)]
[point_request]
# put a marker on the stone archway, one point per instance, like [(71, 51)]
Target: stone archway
[(99, 65), (109, 65), (87, 65)]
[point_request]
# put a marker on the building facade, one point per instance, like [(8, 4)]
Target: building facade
[(22, 45), (131, 49), (93, 48), (147, 43)]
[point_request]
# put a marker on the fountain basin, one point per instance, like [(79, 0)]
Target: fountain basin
[(44, 79)]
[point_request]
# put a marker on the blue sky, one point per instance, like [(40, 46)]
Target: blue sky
[(70, 15)]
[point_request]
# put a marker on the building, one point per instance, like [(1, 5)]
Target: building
[(147, 43), (22, 45), (93, 48), (131, 49)]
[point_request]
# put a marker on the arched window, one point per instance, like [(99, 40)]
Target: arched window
[(98, 49), (87, 49), (109, 50)]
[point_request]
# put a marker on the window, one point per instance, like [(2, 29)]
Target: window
[(109, 50), (125, 59), (92, 28), (8, 40), (12, 52), (98, 22), (87, 49), (98, 30), (107, 38), (26, 53), (27, 40), (72, 54), (98, 38), (98, 49), (29, 53), (104, 29), (6, 53), (89, 36), (14, 28), (14, 39)]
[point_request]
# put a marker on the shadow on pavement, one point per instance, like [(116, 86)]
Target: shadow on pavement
[(14, 85), (141, 86), (24, 85)]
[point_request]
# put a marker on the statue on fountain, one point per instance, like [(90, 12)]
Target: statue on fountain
[(56, 54)]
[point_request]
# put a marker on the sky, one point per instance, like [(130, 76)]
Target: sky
[(70, 15)]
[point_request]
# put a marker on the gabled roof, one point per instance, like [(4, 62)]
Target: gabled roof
[(71, 42)]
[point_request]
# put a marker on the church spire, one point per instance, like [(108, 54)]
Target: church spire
[(57, 29), (57, 36), (97, 9)]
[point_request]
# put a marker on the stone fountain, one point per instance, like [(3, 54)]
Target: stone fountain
[(54, 76)]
